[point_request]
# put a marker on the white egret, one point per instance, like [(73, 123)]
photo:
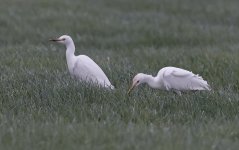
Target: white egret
[(172, 79), (82, 67)]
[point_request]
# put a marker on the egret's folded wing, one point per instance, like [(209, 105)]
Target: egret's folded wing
[(181, 79), (86, 68)]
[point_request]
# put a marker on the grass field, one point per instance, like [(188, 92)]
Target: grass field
[(42, 107)]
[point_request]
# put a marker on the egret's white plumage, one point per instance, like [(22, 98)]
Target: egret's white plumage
[(82, 67), (172, 79)]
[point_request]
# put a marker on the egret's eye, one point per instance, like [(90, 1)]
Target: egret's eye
[(63, 39), (138, 81)]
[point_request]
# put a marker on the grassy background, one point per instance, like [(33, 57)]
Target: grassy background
[(41, 107)]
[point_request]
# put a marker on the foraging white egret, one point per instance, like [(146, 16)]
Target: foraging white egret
[(82, 67), (172, 79)]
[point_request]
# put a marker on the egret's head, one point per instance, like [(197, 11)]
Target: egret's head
[(64, 39), (137, 80)]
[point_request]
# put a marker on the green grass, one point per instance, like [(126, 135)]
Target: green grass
[(42, 107)]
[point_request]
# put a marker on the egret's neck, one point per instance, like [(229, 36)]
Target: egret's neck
[(70, 56), (152, 81), (70, 50)]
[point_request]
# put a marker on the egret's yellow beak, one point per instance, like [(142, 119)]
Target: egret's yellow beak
[(131, 88)]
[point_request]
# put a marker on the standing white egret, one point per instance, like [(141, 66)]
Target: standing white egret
[(82, 67), (172, 79)]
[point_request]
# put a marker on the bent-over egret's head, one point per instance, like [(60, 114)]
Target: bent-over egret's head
[(64, 39), (137, 80)]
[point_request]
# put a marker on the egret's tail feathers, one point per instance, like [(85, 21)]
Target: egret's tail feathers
[(111, 87), (207, 87), (104, 84), (201, 84)]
